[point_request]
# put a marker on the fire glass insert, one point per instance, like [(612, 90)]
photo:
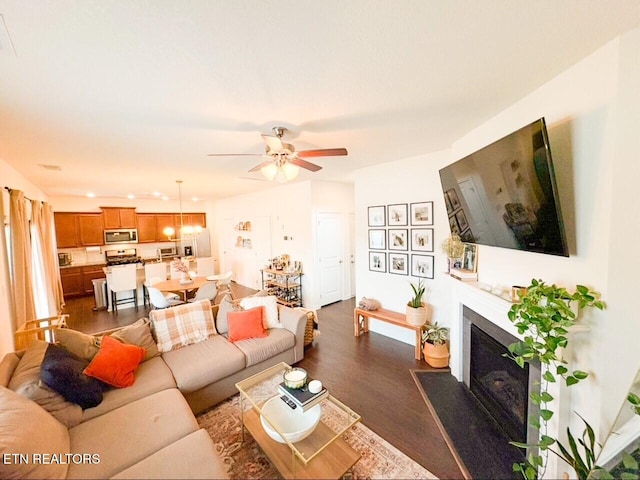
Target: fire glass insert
[(499, 384)]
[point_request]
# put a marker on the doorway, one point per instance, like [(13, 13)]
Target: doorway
[(330, 248)]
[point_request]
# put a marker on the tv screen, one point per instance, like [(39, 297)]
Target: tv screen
[(505, 194)]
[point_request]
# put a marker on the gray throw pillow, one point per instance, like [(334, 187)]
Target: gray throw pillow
[(80, 344), (226, 305), (139, 333)]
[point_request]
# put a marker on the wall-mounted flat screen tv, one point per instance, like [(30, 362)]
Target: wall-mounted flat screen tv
[(505, 194)]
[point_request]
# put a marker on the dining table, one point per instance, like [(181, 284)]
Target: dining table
[(177, 286)]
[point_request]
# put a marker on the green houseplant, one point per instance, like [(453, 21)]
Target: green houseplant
[(435, 349), (543, 317), (417, 310)]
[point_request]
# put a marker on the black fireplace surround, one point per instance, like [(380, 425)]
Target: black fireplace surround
[(499, 384)]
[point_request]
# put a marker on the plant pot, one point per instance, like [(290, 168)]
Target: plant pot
[(417, 316), (436, 355)]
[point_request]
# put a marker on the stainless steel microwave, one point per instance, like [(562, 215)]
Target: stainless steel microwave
[(129, 235)]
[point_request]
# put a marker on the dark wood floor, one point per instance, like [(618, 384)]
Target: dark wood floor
[(370, 373)]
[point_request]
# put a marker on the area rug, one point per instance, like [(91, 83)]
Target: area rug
[(245, 459)]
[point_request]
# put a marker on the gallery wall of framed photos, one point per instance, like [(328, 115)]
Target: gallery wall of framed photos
[(401, 239), (457, 218)]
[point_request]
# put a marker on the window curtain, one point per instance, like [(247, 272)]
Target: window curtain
[(21, 259), (6, 275), (43, 225)]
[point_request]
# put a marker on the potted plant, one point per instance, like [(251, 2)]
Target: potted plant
[(417, 310), (435, 350), (453, 248)]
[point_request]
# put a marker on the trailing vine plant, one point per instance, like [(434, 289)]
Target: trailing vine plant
[(543, 317)]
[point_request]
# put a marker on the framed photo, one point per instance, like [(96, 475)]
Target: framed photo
[(378, 261), (453, 198), (422, 239), (398, 239), (462, 220), (422, 266), (422, 213), (470, 257), (397, 214), (398, 263), (377, 216), (447, 202), (453, 225), (377, 239), (467, 236)]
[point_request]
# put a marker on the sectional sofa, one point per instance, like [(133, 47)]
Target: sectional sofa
[(148, 429)]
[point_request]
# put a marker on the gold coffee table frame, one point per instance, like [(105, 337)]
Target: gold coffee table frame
[(323, 454)]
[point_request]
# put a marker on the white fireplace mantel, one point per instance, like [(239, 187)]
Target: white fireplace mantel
[(495, 309)]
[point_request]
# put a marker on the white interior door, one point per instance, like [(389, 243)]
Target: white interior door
[(330, 241), (352, 255)]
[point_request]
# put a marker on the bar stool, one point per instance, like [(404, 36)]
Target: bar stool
[(122, 279)]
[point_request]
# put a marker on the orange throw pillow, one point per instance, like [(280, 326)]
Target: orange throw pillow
[(246, 324), (115, 363)]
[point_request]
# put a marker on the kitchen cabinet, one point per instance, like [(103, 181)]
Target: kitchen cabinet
[(192, 219), (90, 273), (164, 220), (147, 231), (66, 229), (117, 217), (78, 229), (90, 229), (78, 281), (71, 279)]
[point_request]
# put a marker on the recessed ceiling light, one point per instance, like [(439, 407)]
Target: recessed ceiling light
[(91, 194), (131, 196), (165, 198), (156, 194), (56, 168), (194, 199)]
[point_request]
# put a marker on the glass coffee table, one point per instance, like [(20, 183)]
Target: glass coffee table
[(322, 454)]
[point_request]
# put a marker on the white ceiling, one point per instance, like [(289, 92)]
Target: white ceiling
[(128, 96)]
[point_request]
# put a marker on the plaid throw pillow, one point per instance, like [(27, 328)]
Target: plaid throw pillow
[(182, 325)]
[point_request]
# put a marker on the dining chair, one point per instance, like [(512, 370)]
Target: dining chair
[(209, 290), (153, 273), (224, 284), (122, 278), (159, 300)]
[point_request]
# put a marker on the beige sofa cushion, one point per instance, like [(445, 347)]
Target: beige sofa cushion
[(26, 382), (193, 456), (7, 367), (80, 344), (257, 350), (129, 434), (203, 363), (152, 376), (26, 428)]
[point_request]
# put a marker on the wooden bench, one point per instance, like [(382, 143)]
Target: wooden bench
[(361, 324)]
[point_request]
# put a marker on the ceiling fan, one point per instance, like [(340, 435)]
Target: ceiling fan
[(283, 159)]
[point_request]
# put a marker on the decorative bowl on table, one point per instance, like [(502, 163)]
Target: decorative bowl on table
[(294, 424), (295, 378)]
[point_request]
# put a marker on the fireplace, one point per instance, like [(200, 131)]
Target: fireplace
[(499, 384)]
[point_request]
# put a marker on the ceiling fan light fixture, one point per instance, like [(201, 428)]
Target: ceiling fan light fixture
[(269, 171), (290, 171)]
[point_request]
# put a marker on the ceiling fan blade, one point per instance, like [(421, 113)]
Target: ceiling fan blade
[(274, 143), (259, 166), (235, 154), (323, 152), (304, 164)]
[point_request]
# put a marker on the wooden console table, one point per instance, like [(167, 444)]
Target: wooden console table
[(361, 324)]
